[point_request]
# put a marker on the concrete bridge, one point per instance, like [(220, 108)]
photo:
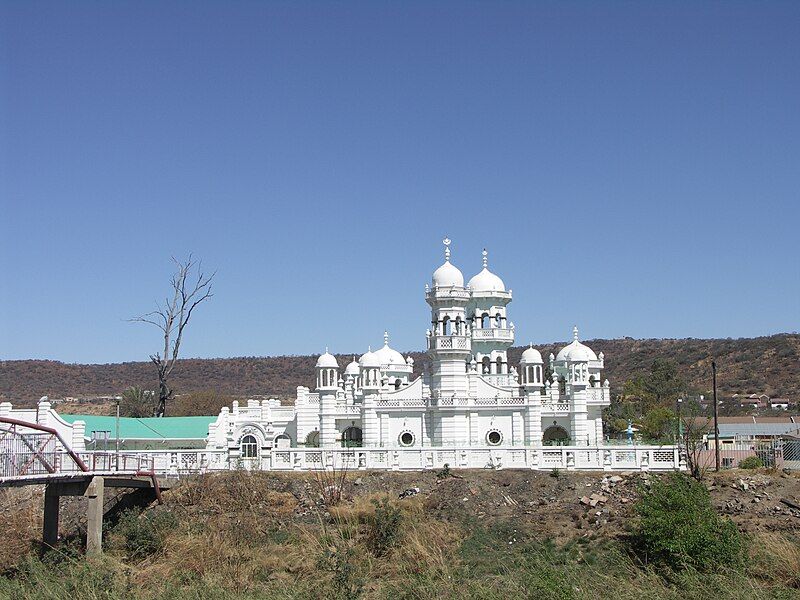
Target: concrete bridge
[(34, 454)]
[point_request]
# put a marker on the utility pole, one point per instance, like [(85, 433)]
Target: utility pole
[(117, 436), (716, 416)]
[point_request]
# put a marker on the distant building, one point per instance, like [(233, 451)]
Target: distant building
[(779, 403)]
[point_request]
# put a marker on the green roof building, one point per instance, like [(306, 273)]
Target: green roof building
[(144, 434)]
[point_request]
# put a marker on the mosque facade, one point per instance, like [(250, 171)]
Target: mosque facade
[(469, 396)]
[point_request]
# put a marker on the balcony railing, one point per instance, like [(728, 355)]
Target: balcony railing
[(449, 342), (438, 293), (501, 334)]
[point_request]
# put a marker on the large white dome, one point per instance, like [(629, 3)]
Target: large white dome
[(389, 356), (486, 281), (575, 351), (448, 276)]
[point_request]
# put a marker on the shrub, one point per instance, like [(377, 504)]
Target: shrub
[(555, 473), (678, 527), (751, 462), (385, 527), (144, 533), (444, 473)]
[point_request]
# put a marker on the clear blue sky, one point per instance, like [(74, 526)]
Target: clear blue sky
[(632, 167)]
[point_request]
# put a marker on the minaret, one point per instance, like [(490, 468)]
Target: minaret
[(492, 333), (448, 339)]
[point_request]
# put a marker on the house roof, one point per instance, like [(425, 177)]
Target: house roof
[(755, 429), (151, 428)]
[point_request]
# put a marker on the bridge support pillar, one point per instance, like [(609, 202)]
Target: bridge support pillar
[(94, 516), (51, 508)]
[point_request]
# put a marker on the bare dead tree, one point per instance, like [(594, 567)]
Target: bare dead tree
[(172, 317)]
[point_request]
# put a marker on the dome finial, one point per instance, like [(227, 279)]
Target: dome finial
[(485, 260), (385, 338), (575, 333), (446, 242), (326, 349)]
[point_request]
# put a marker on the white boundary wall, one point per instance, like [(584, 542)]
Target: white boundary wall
[(580, 458)]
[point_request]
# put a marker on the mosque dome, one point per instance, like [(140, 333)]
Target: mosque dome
[(486, 281), (447, 275), (387, 355), (575, 351), (327, 361), (353, 368), (369, 360), (531, 356)]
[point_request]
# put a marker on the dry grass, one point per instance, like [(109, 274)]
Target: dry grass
[(20, 522)]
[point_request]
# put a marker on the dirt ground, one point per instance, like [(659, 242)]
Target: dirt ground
[(525, 503)]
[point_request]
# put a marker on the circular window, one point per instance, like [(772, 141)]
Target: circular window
[(406, 438), (494, 437)]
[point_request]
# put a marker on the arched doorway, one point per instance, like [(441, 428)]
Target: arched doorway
[(312, 440), (351, 437), (555, 435)]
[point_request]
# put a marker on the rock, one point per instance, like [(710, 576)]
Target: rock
[(358, 481), (585, 501), (615, 479)]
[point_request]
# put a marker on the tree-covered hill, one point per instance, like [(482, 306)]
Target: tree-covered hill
[(765, 364)]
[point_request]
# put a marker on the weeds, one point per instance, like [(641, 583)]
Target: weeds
[(385, 527)]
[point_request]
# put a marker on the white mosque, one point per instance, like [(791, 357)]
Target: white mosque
[(470, 396)]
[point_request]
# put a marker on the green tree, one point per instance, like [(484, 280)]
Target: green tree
[(659, 423), (136, 402)]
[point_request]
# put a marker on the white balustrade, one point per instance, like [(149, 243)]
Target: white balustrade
[(592, 458)]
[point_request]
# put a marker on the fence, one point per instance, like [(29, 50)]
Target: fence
[(598, 458), (771, 455)]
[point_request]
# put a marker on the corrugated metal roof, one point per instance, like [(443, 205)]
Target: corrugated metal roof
[(755, 429), (151, 428)]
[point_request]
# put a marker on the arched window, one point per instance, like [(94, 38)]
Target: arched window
[(446, 326), (499, 362), (592, 381), (312, 439), (498, 320), (562, 385), (458, 326), (249, 446), (486, 365), (485, 321), (397, 384)]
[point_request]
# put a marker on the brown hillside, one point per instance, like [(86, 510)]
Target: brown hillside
[(765, 364)]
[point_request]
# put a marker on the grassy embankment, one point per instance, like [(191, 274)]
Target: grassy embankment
[(235, 536)]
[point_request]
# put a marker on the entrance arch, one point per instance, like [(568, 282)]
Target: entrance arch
[(312, 440), (352, 437), (555, 435)]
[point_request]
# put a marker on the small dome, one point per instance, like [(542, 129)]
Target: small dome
[(353, 368), (369, 360), (576, 352), (410, 361), (531, 356), (327, 361), (448, 276)]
